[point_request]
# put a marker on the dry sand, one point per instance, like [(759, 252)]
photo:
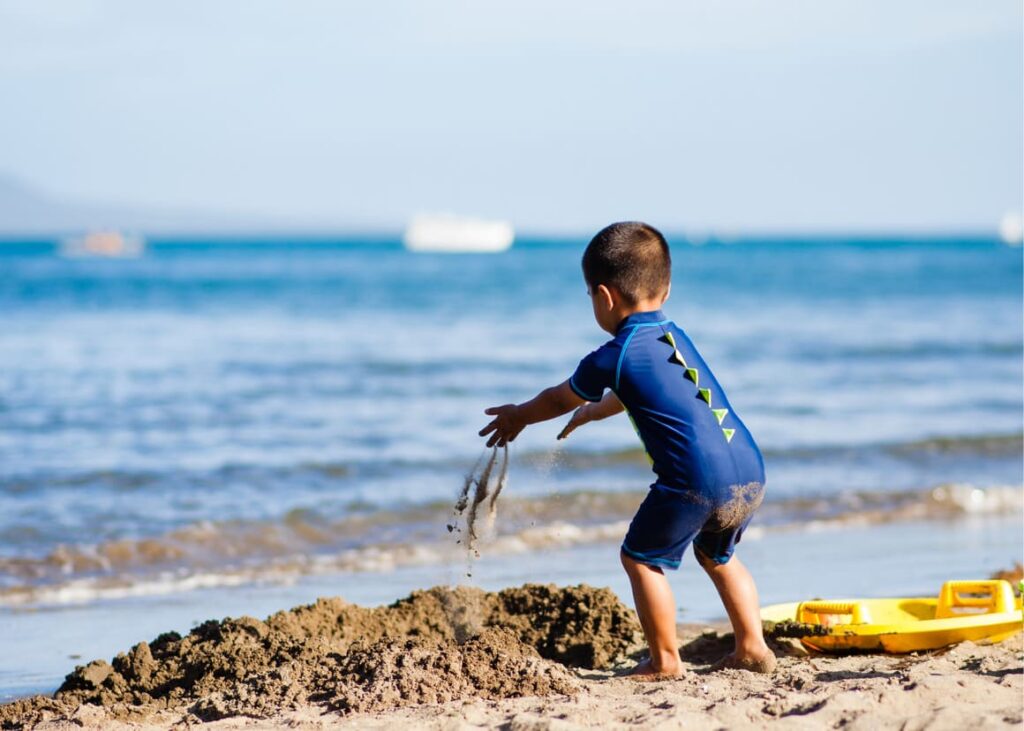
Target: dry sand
[(534, 657)]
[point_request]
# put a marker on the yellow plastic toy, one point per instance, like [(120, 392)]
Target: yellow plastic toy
[(964, 610)]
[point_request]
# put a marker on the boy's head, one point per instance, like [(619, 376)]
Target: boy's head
[(631, 261)]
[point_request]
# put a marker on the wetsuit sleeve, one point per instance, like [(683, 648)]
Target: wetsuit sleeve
[(595, 373)]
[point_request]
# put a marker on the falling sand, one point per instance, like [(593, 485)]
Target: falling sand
[(476, 489)]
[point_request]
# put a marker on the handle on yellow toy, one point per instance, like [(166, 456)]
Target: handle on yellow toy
[(857, 610), (993, 596)]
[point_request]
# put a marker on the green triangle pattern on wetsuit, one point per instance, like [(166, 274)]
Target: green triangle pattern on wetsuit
[(675, 351), (702, 393)]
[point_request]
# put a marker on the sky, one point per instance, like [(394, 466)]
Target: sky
[(740, 116)]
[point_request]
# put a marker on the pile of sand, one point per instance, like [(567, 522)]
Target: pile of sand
[(444, 659), (493, 665), (433, 646)]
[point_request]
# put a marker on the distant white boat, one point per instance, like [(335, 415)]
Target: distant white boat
[(110, 244), (450, 233), (1011, 229)]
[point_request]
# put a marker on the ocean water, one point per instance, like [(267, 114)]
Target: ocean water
[(235, 426)]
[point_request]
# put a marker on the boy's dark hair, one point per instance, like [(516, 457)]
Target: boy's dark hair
[(630, 256)]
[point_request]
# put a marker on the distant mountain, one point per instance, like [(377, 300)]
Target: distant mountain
[(27, 211)]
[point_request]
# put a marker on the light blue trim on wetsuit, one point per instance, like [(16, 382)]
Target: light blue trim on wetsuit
[(651, 561), (622, 355), (625, 345), (579, 391)]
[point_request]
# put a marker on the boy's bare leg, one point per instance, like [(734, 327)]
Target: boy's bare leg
[(736, 587), (656, 608)]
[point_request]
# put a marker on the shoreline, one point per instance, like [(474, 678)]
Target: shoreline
[(43, 643)]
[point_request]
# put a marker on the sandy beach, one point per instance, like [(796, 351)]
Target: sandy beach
[(532, 657)]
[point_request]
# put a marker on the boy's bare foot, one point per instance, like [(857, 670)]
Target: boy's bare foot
[(763, 663), (645, 671)]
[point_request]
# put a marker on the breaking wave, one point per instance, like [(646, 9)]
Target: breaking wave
[(230, 553)]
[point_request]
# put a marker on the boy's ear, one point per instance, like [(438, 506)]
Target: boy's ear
[(606, 297), (668, 291)]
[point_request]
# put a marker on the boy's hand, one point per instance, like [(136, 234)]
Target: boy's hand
[(579, 417), (506, 424), (511, 419)]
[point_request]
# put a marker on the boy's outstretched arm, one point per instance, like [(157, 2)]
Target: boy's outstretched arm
[(607, 406), (511, 419)]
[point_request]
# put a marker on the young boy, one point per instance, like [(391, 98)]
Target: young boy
[(710, 472)]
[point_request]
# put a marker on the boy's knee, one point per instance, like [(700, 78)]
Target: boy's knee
[(633, 567)]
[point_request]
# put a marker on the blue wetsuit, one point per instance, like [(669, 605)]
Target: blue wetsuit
[(710, 472)]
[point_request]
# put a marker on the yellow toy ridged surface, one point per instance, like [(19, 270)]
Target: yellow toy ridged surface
[(964, 610)]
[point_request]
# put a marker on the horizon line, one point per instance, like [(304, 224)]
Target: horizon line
[(388, 234)]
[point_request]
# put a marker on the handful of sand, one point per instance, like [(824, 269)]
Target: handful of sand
[(479, 481)]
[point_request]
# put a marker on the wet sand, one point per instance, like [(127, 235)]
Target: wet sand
[(532, 657)]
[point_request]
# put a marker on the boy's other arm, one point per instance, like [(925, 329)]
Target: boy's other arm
[(511, 419), (607, 406)]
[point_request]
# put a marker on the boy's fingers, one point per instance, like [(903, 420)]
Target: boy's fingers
[(495, 410), (488, 429), (571, 426)]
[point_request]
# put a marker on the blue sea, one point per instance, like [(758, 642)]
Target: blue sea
[(224, 427)]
